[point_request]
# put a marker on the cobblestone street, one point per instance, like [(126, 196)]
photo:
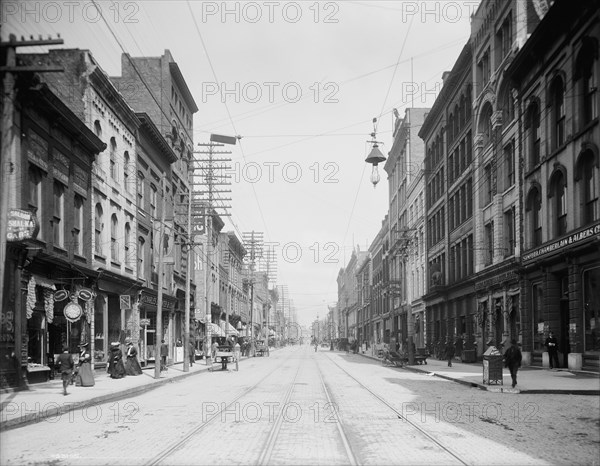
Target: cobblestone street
[(302, 407)]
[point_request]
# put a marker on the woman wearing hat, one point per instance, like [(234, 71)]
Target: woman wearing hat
[(85, 376), (116, 367), (132, 366)]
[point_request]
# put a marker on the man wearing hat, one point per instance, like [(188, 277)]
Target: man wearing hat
[(85, 376), (64, 365)]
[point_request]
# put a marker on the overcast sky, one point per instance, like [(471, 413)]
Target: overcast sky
[(301, 83)]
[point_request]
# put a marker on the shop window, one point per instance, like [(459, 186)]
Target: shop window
[(591, 309)]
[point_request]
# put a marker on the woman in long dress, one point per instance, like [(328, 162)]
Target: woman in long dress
[(85, 376), (117, 368), (132, 366)]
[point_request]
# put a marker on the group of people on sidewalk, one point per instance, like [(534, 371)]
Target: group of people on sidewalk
[(82, 375)]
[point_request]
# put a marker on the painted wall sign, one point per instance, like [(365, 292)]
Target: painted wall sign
[(22, 225)]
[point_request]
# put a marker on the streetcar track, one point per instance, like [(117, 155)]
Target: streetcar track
[(401, 416), (175, 446)]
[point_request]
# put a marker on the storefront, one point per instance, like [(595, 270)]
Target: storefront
[(149, 341), (559, 292)]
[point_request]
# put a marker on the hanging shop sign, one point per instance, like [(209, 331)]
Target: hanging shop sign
[(61, 295), (85, 294), (22, 225), (144, 322), (73, 312)]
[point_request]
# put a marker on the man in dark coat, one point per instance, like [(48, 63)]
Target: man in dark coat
[(512, 360), (552, 346), (449, 351), (164, 354), (65, 364)]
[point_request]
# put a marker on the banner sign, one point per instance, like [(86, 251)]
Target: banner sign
[(22, 225)]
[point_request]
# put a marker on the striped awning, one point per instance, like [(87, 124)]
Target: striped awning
[(228, 328), (214, 330)]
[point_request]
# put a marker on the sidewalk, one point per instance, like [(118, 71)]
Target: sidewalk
[(46, 400), (530, 379)]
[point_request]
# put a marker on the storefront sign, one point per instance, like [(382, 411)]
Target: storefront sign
[(125, 301), (561, 243), (22, 225), (152, 300), (144, 322)]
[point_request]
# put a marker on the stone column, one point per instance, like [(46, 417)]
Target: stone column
[(576, 324)]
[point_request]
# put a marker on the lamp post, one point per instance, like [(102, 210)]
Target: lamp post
[(375, 157)]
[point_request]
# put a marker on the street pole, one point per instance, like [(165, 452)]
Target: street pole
[(159, 329), (186, 333)]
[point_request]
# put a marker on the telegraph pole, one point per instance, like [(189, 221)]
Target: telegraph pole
[(253, 241), (186, 332), (159, 329), (8, 159)]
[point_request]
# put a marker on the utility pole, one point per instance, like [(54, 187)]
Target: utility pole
[(189, 243), (206, 200), (159, 329), (8, 159), (253, 242)]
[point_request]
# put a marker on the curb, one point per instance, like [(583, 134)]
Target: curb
[(498, 388)]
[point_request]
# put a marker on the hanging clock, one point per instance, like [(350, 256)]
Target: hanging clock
[(73, 312)]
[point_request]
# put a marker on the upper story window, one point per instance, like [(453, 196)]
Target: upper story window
[(36, 195), (586, 75), (558, 191), (98, 228), (509, 165), (483, 70), (532, 129), (127, 172), (113, 158), (78, 223), (114, 244), (534, 211), (98, 129), (153, 200), (557, 96), (504, 40), (485, 124), (140, 257), (588, 187), (58, 216), (140, 191)]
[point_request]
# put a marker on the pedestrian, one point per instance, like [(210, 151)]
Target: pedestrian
[(459, 347), (512, 360), (552, 346), (192, 352), (213, 351), (164, 353), (64, 365), (85, 376), (117, 368), (450, 350), (132, 365)]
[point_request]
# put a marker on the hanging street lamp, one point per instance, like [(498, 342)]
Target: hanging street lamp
[(375, 157)]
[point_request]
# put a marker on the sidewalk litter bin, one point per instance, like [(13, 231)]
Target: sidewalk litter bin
[(492, 366)]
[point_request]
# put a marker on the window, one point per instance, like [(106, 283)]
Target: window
[(98, 228), (77, 224), (489, 243), (113, 157), (588, 81), (509, 232), (140, 191), (140, 257), (485, 124), (126, 171), (58, 224), (127, 241), (559, 193), (534, 208), (508, 107), (36, 195), (114, 245), (153, 201), (558, 113), (487, 184), (588, 181), (98, 128), (532, 127), (509, 166)]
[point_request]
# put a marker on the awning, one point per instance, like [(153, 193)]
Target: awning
[(214, 330), (228, 328), (43, 282)]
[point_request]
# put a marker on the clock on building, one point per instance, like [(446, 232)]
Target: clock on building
[(73, 312)]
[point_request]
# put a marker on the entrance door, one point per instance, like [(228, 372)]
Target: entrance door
[(563, 343)]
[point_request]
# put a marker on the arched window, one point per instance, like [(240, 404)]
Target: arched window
[(485, 124), (532, 128), (98, 128), (140, 257), (126, 172), (558, 193), (534, 211), (588, 187), (508, 108), (98, 228), (113, 158), (127, 245), (557, 99), (114, 245), (587, 81)]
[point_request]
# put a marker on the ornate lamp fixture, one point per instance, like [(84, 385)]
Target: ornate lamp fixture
[(375, 157)]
